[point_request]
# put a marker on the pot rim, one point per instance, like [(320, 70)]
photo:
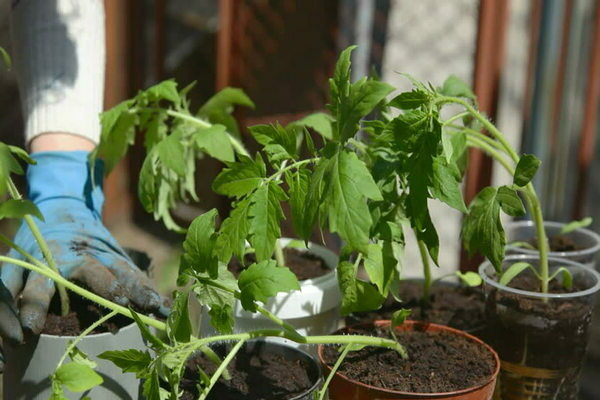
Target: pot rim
[(425, 326), (553, 224), (523, 257), (91, 335)]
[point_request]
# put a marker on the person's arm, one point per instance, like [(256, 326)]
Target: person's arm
[(59, 56)]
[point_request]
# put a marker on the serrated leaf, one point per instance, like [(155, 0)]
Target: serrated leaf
[(261, 281), (350, 185), (381, 268), (233, 232), (171, 152), (199, 246), (456, 87), (79, 357), (131, 360), (278, 141), (219, 107), (509, 200), (215, 142), (446, 184), (148, 186), (469, 278), (313, 200), (154, 341), (179, 328), (482, 229), (409, 100), (166, 90), (77, 377), (151, 387), (320, 122), (14, 208), (117, 134), (526, 168), (574, 225), (266, 215), (239, 178), (298, 182), (219, 301), (399, 316), (513, 271), (357, 295)]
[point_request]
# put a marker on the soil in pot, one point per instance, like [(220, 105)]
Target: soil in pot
[(254, 376), (455, 306), (83, 314), (558, 243), (438, 362), (304, 264), (541, 344)]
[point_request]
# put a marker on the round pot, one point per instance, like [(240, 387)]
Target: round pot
[(312, 310), (541, 338), (269, 346), (523, 231), (344, 388), (29, 366)]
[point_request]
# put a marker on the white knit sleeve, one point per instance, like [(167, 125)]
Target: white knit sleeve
[(59, 54)]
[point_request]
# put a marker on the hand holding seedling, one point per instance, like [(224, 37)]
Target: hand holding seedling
[(82, 248)]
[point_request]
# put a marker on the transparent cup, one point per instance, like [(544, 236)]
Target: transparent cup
[(541, 338), (587, 240)]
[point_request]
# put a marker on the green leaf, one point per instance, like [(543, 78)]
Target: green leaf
[(199, 246), (117, 134), (219, 298), (526, 168), (469, 278), (524, 245), (179, 328), (154, 341), (298, 182), (18, 209), (266, 215), (261, 281), (5, 58), (313, 200), (151, 387), (351, 184), (171, 152), (511, 272), (320, 122), (22, 154), (148, 185), (399, 316), (381, 268), (77, 377), (233, 232), (456, 87), (509, 200), (482, 229), (215, 142), (409, 100), (567, 280), (239, 178), (574, 225), (131, 360), (219, 107), (79, 357), (166, 90), (357, 295), (446, 184), (278, 141)]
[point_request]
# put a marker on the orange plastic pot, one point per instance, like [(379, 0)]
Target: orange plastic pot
[(344, 388)]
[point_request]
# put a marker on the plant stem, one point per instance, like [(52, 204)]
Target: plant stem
[(455, 117), (64, 297), (59, 279), (83, 334), (475, 142), (472, 132), (426, 272), (297, 164), (215, 377), (334, 369)]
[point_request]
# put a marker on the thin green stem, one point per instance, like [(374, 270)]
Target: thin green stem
[(496, 155), (279, 257), (64, 297), (59, 279), (297, 164), (83, 334), (221, 369), (333, 371), (22, 251), (455, 117), (426, 272), (472, 132)]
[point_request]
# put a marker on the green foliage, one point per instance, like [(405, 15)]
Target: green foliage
[(77, 377), (5, 58), (131, 360), (526, 168), (262, 280), (574, 225), (399, 316), (515, 269), (14, 208), (469, 278)]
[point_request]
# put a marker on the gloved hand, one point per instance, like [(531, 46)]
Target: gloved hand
[(84, 250)]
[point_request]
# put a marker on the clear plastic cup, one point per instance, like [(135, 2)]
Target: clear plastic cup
[(523, 231), (541, 338)]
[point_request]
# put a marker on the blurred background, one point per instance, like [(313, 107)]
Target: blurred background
[(534, 64)]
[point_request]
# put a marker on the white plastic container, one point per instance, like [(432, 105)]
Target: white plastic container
[(523, 231), (28, 367), (312, 310)]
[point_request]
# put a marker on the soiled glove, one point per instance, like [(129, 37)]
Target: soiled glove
[(84, 250)]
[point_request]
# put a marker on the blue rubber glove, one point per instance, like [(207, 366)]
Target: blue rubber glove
[(84, 250)]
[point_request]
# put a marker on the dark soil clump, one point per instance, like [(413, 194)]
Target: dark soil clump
[(83, 314), (437, 362), (254, 376), (303, 264), (455, 306), (559, 243)]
